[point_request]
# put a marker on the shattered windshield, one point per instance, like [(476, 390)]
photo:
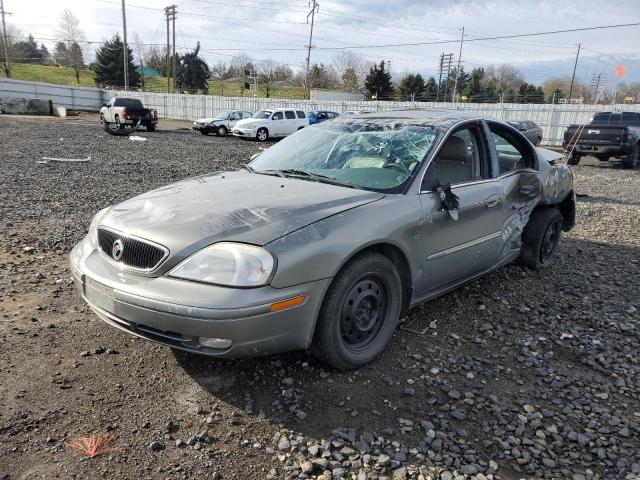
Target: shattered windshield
[(223, 115), (376, 155), (262, 114)]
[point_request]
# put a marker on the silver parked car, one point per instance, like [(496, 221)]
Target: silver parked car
[(326, 239), (529, 129), (220, 124)]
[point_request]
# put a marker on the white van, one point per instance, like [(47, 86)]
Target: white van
[(266, 124)]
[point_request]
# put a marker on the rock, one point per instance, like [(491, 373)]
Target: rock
[(400, 473), (156, 446), (283, 444), (287, 381)]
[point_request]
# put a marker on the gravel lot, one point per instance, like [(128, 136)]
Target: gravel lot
[(520, 375)]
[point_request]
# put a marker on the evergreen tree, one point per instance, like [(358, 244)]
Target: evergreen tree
[(60, 54), (378, 83), (109, 66), (411, 87), (350, 79), (44, 53), (26, 51), (430, 90), (192, 72)]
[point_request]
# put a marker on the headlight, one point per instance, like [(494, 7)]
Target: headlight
[(93, 226), (229, 264)]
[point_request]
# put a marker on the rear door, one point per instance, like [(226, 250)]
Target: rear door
[(457, 249), (290, 121)]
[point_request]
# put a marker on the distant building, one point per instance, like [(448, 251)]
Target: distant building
[(333, 95), (147, 72)]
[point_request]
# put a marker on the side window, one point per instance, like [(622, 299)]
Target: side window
[(246, 114), (300, 114), (512, 153), (234, 116), (331, 115), (290, 115), (459, 160), (277, 116)]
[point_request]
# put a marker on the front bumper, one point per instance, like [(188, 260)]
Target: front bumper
[(177, 312), (244, 132)]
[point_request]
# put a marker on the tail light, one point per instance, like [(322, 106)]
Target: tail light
[(155, 114), (124, 113)]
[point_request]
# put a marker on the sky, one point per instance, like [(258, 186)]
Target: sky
[(278, 30)]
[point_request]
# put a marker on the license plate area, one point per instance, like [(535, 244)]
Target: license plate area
[(99, 294)]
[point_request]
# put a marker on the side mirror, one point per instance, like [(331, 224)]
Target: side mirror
[(104, 104)]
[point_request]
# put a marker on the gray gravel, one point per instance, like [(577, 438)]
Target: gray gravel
[(519, 375)]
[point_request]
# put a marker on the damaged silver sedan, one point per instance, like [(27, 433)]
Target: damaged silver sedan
[(326, 239)]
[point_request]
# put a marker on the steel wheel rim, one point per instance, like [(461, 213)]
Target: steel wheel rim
[(363, 313), (262, 135), (221, 131), (549, 242)]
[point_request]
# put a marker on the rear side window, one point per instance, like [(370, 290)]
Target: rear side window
[(300, 114), (290, 115), (132, 103), (631, 119), (512, 152)]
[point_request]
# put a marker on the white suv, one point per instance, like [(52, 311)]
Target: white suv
[(266, 124)]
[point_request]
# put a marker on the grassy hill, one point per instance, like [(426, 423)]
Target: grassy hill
[(51, 74), (66, 76)]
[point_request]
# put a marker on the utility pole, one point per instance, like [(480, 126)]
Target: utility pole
[(314, 8), (125, 50), (173, 54), (7, 67), (445, 63), (170, 13), (455, 85), (573, 77)]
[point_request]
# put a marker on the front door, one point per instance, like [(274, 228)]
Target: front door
[(276, 127), (459, 245)]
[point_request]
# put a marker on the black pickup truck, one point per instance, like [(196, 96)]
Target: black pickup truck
[(610, 134)]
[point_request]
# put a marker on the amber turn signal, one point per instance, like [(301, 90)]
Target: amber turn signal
[(288, 303)]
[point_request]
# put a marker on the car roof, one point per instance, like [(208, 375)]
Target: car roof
[(439, 118)]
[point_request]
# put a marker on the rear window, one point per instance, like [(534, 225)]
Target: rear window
[(132, 103), (300, 114), (289, 115)]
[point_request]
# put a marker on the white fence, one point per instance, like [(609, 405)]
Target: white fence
[(552, 118), (81, 98)]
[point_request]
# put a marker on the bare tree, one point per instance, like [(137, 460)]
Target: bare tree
[(74, 39), (503, 78), (351, 68), (267, 75), (14, 36), (239, 63)]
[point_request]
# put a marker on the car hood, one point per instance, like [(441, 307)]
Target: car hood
[(249, 121), (208, 120), (236, 206)]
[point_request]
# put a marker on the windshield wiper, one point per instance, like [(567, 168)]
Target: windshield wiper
[(248, 167), (315, 176)]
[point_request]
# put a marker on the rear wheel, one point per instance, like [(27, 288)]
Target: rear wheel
[(151, 128), (574, 158), (119, 125), (540, 237), (262, 135), (633, 159), (360, 312), (538, 141), (221, 131)]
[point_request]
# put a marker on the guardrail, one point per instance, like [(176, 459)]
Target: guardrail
[(553, 118)]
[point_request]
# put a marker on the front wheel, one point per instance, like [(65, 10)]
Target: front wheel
[(262, 135), (633, 159), (222, 131), (540, 237), (360, 312), (574, 159)]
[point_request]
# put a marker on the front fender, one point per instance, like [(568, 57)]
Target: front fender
[(321, 249)]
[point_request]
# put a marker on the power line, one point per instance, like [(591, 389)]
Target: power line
[(415, 44)]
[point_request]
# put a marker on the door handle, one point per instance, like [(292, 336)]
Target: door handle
[(492, 200)]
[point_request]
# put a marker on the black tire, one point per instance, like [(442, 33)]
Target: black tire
[(538, 141), (540, 237), (204, 132), (359, 313), (262, 135), (574, 159), (633, 159), (221, 131), (119, 125), (151, 128)]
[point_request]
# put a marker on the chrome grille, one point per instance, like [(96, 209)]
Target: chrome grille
[(136, 253)]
